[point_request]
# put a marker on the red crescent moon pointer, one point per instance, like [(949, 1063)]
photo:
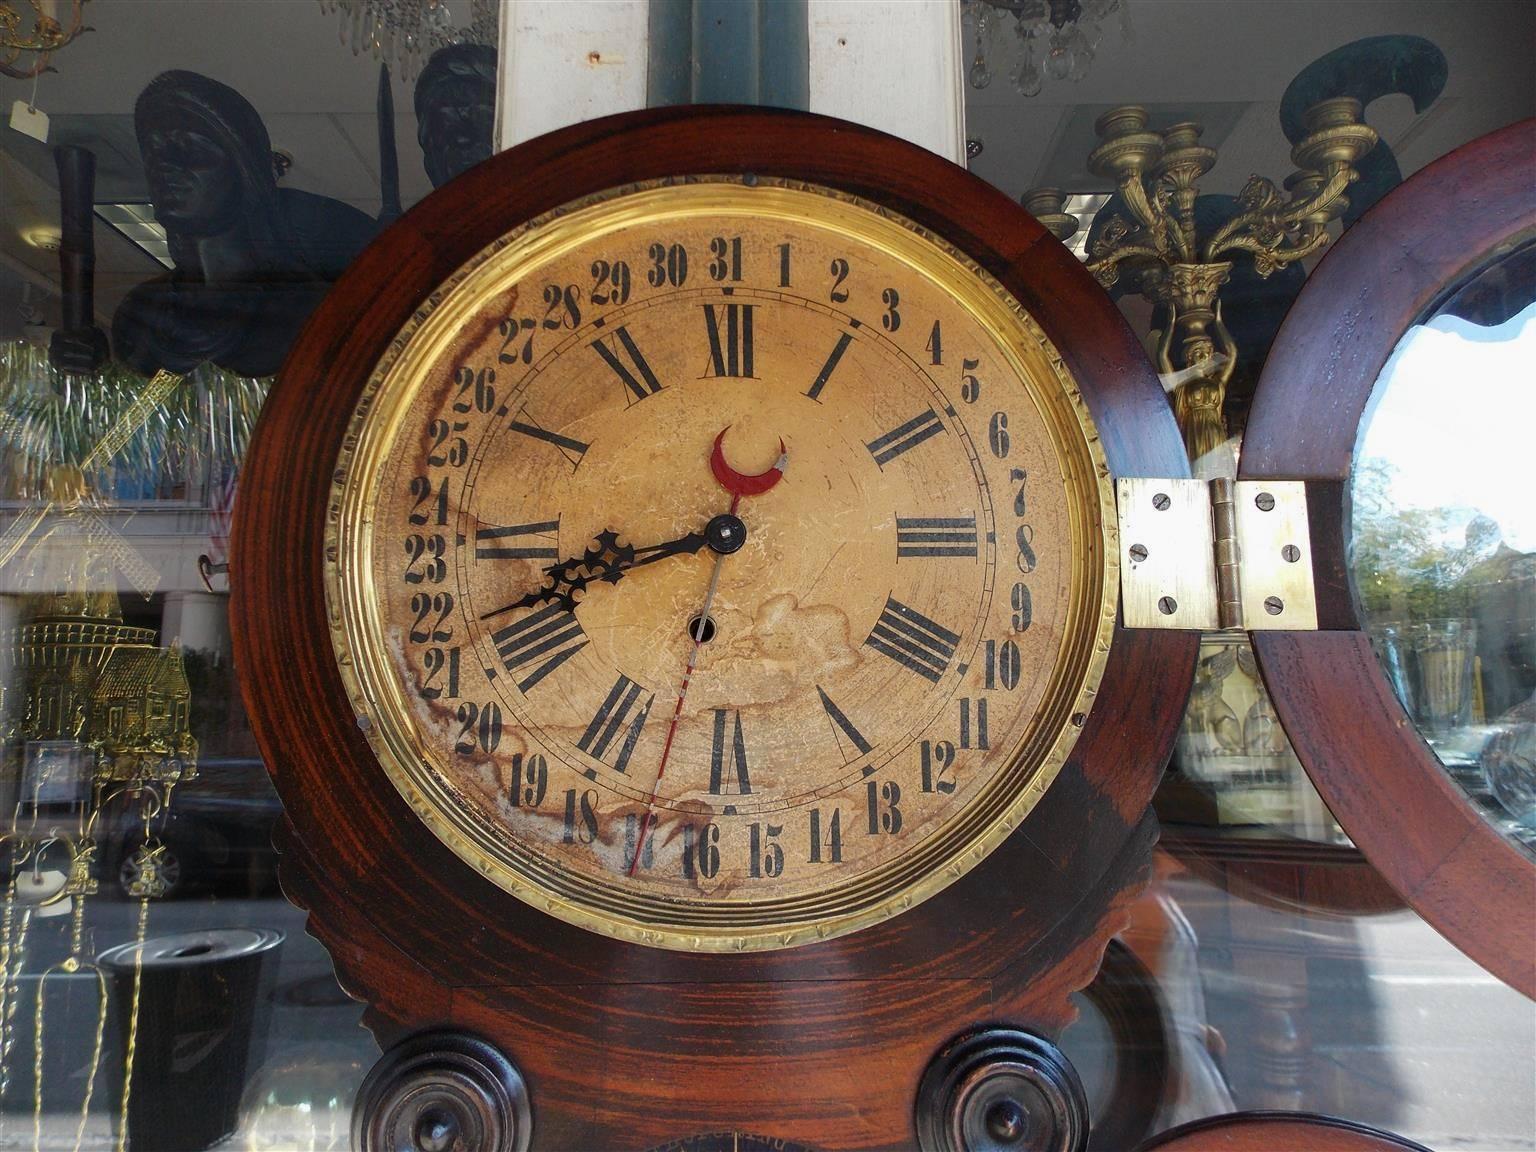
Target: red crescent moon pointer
[(737, 483)]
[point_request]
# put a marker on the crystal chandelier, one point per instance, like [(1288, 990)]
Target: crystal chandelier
[(1050, 38), (402, 33)]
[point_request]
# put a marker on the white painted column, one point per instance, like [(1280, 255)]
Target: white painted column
[(196, 620), (894, 66), (566, 61)]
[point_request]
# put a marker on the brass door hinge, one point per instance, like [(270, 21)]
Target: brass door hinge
[(1211, 554)]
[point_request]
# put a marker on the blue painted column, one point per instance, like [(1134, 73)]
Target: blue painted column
[(729, 52)]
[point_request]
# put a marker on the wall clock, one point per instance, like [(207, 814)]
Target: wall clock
[(679, 601)]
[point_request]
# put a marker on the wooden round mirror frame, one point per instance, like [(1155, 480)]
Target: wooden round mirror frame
[(1297, 877), (1271, 1131), (623, 1044), (1382, 782)]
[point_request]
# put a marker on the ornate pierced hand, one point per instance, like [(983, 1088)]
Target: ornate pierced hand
[(605, 560)]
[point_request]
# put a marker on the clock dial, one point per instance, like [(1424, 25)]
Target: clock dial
[(697, 732)]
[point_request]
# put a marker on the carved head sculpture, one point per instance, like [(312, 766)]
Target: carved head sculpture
[(206, 154), (456, 109)]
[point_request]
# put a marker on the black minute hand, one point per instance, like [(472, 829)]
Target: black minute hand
[(605, 560)]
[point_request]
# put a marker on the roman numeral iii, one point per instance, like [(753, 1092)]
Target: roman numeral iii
[(922, 536)]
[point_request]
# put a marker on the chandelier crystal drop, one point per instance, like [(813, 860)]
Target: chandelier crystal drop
[(403, 33), (1051, 39)]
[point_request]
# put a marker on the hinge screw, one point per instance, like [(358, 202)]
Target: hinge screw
[(1161, 501), (1167, 605), (1290, 553), (1265, 501), (1274, 605), (1138, 552)]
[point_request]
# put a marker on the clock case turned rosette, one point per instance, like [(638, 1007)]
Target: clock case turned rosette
[(623, 1045)]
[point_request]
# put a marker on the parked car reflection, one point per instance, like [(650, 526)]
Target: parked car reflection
[(217, 834)]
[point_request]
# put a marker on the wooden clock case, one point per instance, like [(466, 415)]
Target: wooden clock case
[(1382, 782), (624, 1046)]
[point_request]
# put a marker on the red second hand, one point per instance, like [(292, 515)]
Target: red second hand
[(682, 695)]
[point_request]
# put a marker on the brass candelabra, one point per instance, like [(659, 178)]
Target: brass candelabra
[(36, 35), (1151, 240)]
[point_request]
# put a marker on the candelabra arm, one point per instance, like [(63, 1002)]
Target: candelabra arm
[(1268, 257), (1134, 193), (1283, 217), (1224, 237), (1322, 200), (1106, 269)]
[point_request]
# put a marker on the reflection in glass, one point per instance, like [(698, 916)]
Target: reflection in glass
[(252, 260), (1234, 763), (1444, 536), (456, 110)]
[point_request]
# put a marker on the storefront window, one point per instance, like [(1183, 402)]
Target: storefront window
[(180, 189), (1443, 542)]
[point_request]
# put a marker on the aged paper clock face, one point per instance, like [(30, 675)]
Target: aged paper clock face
[(721, 565)]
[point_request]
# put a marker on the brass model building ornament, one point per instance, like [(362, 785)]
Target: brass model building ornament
[(94, 720), (1150, 238), (94, 715)]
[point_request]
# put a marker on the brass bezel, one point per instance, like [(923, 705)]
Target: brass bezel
[(967, 837)]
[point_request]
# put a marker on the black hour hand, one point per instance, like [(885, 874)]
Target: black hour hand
[(605, 560)]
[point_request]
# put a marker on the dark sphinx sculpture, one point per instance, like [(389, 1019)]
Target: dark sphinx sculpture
[(252, 259), (456, 110)]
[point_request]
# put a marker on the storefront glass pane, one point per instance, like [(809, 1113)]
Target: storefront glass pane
[(1307, 984), (178, 196), (1445, 539), (180, 192)]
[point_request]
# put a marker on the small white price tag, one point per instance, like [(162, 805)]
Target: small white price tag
[(29, 121)]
